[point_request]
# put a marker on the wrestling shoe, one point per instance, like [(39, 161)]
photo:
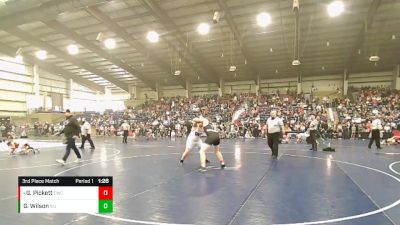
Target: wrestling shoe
[(62, 162), (222, 166), (202, 169), (79, 160)]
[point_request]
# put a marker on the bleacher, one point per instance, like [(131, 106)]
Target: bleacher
[(89, 115)]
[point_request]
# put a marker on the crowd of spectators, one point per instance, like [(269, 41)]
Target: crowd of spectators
[(12, 131), (355, 117), (244, 115), (234, 115)]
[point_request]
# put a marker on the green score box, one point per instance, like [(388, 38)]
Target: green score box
[(105, 206)]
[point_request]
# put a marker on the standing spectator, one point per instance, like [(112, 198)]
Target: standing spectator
[(354, 131), (313, 128), (36, 128)]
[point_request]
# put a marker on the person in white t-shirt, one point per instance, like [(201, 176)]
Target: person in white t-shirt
[(274, 131), (313, 130), (193, 141), (86, 131)]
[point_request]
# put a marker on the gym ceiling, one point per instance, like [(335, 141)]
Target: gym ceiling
[(119, 43)]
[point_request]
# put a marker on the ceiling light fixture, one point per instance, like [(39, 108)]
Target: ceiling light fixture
[(99, 36), (335, 8), (203, 28), (177, 72), (263, 19), (73, 49), (374, 58), (41, 54), (153, 36), (110, 43), (216, 17), (296, 62)]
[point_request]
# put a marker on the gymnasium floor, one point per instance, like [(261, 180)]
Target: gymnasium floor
[(353, 185)]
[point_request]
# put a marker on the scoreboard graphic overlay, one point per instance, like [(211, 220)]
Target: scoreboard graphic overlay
[(65, 194)]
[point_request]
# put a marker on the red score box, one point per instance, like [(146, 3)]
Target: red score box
[(105, 193)]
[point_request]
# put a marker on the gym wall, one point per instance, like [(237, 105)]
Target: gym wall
[(16, 81), (17, 91)]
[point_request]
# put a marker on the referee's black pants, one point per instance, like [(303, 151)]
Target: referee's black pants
[(273, 141), (87, 138), (375, 136), (125, 137), (313, 137)]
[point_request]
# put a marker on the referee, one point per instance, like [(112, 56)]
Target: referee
[(125, 128), (274, 131), (313, 132), (86, 131), (376, 134)]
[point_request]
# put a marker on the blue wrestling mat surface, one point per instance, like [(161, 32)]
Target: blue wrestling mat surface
[(353, 185)]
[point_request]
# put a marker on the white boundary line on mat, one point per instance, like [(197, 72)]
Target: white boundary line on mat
[(394, 204), (116, 152), (380, 210), (393, 170), (111, 155)]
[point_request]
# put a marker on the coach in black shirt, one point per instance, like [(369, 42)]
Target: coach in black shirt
[(71, 131)]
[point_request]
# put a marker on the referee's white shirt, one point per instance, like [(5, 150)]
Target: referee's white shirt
[(86, 128), (376, 124), (274, 125), (125, 126), (313, 125)]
